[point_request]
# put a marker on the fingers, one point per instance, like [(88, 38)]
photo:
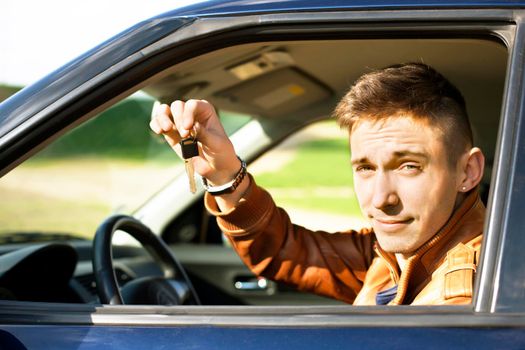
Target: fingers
[(190, 115), (163, 124), (180, 117), (154, 125), (177, 121), (177, 111)]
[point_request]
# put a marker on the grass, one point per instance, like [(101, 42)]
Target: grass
[(318, 178), (114, 160), (322, 162), (49, 214), (75, 194), (111, 163)]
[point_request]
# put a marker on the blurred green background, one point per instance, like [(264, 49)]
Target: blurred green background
[(113, 163)]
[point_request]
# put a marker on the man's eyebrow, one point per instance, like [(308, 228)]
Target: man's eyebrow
[(396, 155), (362, 160), (404, 154)]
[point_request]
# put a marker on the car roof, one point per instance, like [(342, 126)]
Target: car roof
[(219, 7), (41, 94)]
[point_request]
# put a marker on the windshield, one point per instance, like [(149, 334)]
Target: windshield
[(110, 164)]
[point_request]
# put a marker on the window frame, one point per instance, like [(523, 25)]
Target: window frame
[(501, 261), (193, 39)]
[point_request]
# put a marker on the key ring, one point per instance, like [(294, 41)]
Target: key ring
[(193, 132)]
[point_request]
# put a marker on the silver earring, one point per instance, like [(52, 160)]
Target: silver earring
[(463, 188)]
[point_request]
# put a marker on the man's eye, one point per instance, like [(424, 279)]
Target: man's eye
[(363, 168), (409, 167)]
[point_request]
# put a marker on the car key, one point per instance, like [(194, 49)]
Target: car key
[(189, 150)]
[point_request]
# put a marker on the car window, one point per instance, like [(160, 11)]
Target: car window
[(310, 175), (113, 163), (110, 164)]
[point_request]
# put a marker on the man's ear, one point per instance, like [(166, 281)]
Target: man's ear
[(472, 169)]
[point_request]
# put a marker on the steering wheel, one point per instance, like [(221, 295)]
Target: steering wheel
[(174, 288)]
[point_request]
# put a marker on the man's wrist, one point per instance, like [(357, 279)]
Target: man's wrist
[(228, 186), (227, 202)]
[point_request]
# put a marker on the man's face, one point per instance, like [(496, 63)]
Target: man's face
[(403, 180)]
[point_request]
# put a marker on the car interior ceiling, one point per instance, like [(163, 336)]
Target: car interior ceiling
[(289, 79)]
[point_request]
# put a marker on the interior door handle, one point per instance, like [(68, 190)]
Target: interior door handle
[(251, 284)]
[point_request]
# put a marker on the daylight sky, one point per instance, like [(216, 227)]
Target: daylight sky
[(36, 37)]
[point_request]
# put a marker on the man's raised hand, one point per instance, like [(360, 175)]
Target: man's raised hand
[(217, 161)]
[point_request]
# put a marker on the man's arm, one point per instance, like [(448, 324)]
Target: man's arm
[(333, 265)]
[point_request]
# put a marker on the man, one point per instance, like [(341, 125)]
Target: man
[(416, 176)]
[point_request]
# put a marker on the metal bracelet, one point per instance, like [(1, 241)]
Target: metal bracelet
[(227, 187)]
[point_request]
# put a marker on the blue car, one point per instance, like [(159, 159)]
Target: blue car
[(103, 246)]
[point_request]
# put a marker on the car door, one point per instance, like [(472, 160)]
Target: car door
[(40, 114)]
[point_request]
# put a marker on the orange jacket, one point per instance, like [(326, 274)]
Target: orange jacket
[(350, 266)]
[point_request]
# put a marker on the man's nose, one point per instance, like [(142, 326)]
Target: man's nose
[(385, 194)]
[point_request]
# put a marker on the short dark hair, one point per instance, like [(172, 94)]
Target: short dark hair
[(415, 89)]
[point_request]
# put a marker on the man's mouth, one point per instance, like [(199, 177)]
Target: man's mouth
[(391, 224)]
